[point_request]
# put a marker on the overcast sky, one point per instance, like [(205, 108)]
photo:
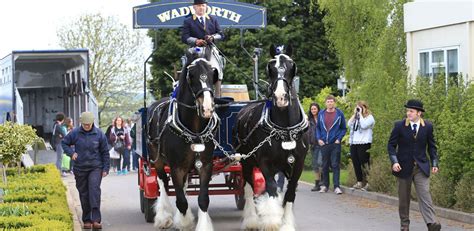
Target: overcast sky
[(32, 24)]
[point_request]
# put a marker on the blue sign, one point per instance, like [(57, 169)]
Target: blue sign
[(171, 14)]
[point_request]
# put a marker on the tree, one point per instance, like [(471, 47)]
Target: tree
[(13, 141), (289, 22), (114, 53), (354, 28)]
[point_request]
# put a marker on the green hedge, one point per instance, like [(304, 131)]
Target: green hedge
[(35, 200)]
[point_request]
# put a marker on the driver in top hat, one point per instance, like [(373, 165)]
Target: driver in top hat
[(201, 30), (411, 139)]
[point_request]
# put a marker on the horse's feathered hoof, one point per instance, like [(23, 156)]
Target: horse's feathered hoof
[(250, 223), (204, 222), (270, 212), (288, 218), (163, 221), (184, 223), (287, 227)]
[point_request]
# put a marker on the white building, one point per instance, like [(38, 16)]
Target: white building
[(440, 38)]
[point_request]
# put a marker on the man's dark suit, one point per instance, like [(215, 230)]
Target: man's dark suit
[(193, 29), (412, 149)]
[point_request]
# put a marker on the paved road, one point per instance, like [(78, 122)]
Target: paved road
[(313, 211)]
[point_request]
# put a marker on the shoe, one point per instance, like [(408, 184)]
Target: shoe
[(366, 187), (404, 228), (87, 225), (119, 173), (338, 191), (357, 185), (124, 172), (323, 189), (97, 225), (316, 187), (434, 226)]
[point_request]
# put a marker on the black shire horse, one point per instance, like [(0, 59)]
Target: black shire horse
[(277, 128), (180, 131)]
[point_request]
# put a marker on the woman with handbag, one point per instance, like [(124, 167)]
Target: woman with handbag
[(120, 138)]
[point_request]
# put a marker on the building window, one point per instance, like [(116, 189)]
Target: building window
[(424, 64), (440, 61)]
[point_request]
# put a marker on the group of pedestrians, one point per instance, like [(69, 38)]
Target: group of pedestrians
[(120, 140), (62, 126), (410, 140)]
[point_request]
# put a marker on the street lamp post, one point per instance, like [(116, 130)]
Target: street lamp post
[(342, 85)]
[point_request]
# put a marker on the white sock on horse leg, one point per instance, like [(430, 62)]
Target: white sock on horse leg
[(184, 222), (163, 209), (270, 211), (250, 218), (204, 222), (288, 218)]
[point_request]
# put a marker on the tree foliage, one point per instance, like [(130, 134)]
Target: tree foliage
[(13, 141), (374, 61), (114, 52), (289, 22)]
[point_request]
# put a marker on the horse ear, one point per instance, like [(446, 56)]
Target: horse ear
[(208, 53), (289, 50), (272, 50)]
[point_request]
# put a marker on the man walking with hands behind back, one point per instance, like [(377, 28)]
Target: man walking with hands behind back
[(407, 146)]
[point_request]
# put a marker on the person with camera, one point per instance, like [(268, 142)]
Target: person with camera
[(361, 124), (411, 139)]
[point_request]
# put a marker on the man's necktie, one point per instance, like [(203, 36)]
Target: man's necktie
[(201, 20), (414, 129)]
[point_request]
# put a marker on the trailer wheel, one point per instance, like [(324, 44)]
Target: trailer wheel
[(240, 201), (142, 207), (239, 197), (149, 211)]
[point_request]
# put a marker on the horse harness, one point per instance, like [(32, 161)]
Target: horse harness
[(287, 135)]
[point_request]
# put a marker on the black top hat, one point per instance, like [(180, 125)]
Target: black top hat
[(197, 2), (415, 104)]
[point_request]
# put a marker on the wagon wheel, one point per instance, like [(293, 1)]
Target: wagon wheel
[(142, 207), (239, 184), (149, 210)]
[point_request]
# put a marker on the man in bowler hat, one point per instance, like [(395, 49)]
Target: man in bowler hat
[(202, 30), (409, 141)]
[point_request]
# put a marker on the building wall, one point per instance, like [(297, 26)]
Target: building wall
[(459, 35), (423, 14)]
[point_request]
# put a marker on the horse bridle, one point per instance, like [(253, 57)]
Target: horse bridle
[(203, 78), (281, 69)]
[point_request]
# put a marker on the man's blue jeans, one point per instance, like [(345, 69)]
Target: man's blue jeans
[(331, 158)]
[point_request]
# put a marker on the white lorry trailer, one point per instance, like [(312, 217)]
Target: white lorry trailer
[(36, 85)]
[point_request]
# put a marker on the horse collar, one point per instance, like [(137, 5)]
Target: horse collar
[(178, 128), (284, 133)]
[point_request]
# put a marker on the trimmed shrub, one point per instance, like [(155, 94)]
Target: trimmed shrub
[(35, 200)]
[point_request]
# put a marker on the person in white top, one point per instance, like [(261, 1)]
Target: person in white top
[(361, 124)]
